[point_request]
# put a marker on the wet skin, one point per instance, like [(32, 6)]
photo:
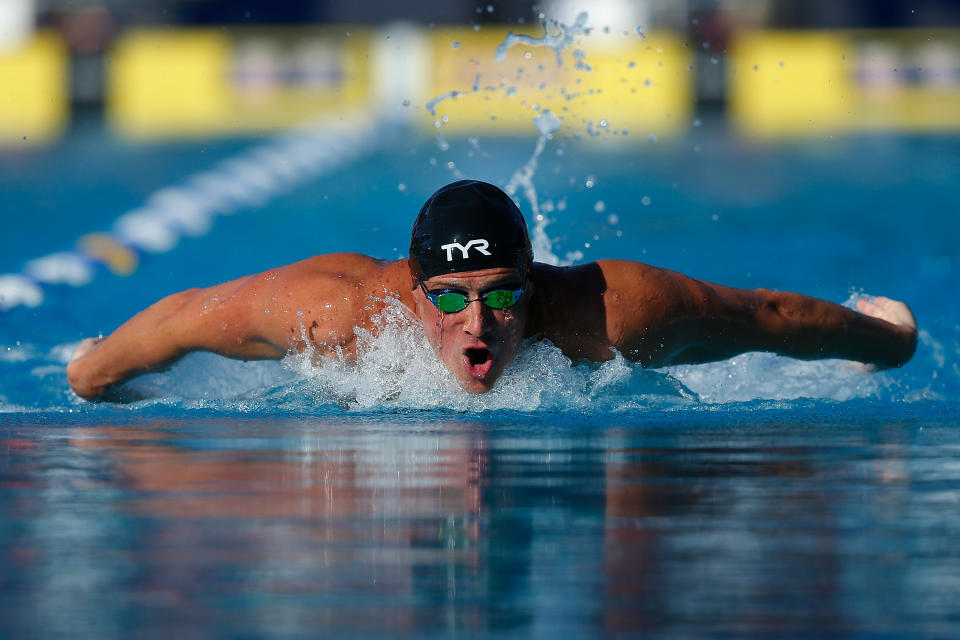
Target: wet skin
[(478, 343)]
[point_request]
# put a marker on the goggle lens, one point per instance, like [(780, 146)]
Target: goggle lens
[(500, 299), (451, 302)]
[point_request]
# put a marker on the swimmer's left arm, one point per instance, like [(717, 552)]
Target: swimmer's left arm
[(673, 319)]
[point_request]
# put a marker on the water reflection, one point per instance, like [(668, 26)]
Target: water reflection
[(280, 527)]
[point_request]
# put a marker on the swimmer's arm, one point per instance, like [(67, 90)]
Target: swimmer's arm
[(253, 318), (680, 320), (160, 335)]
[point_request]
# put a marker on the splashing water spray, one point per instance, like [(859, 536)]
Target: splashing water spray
[(546, 123), (558, 41), (557, 37)]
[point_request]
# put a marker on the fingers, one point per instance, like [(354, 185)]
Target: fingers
[(85, 347), (892, 311), (867, 307)]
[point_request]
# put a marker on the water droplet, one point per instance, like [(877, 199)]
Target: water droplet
[(697, 122), (714, 217), (613, 219), (647, 82), (444, 119), (652, 138), (640, 31), (603, 124), (454, 45), (631, 64), (589, 182), (756, 67), (645, 201), (405, 102), (781, 64), (489, 8), (600, 206), (451, 165), (401, 187)]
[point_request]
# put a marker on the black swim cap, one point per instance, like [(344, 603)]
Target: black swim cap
[(467, 226)]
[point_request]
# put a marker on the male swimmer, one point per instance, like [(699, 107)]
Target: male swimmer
[(471, 279)]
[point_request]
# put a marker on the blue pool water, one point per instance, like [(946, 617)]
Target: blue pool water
[(757, 496)]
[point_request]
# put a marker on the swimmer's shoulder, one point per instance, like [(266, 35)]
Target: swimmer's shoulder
[(352, 268), (347, 274), (595, 278), (585, 309), (567, 308)]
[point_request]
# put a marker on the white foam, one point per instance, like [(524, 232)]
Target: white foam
[(753, 376), (397, 369)]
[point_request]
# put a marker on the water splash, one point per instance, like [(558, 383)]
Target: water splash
[(397, 369), (432, 104), (547, 123), (558, 41)]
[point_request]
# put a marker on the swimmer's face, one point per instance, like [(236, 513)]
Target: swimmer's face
[(478, 343)]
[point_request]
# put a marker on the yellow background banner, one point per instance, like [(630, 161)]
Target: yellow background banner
[(214, 82), (803, 84), (34, 91), (606, 83)]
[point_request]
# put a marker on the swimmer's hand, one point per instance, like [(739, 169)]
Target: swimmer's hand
[(85, 347), (79, 376), (894, 312), (75, 370)]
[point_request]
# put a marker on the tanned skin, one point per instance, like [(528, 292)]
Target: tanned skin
[(652, 316)]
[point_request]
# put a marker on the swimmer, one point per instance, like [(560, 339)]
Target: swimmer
[(471, 280)]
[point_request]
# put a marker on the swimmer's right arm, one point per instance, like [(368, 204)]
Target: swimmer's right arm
[(160, 335), (253, 318)]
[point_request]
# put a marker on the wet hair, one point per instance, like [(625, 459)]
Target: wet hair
[(467, 226)]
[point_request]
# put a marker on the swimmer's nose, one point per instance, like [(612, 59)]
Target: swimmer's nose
[(476, 322)]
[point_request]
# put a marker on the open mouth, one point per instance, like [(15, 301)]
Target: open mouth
[(478, 362)]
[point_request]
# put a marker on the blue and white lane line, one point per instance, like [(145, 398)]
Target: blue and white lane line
[(246, 181)]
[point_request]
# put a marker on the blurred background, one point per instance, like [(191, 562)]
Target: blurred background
[(152, 68)]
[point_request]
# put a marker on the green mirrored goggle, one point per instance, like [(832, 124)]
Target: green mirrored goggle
[(452, 301)]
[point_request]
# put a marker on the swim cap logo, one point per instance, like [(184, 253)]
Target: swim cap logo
[(480, 245)]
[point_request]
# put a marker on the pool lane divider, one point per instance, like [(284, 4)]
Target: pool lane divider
[(246, 181)]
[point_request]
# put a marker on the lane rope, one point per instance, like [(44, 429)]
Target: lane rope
[(248, 180)]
